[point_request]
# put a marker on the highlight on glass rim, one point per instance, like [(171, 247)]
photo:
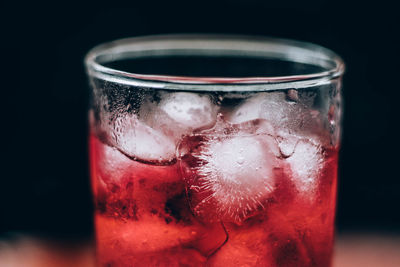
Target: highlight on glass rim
[(214, 151)]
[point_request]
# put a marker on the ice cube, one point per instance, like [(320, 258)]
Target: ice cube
[(288, 112), (178, 114), (247, 246), (141, 142), (229, 176), (193, 111), (271, 106), (108, 165), (306, 163), (211, 238), (287, 143)]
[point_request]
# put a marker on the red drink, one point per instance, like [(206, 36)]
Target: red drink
[(271, 211), (214, 151)]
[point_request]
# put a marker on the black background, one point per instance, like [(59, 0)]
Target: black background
[(44, 185)]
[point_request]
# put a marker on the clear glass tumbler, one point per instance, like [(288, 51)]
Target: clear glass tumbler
[(214, 151)]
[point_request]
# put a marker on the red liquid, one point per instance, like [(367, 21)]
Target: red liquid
[(149, 215)]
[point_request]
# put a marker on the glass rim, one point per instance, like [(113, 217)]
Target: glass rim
[(209, 45)]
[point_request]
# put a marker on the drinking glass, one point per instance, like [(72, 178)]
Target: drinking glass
[(214, 151)]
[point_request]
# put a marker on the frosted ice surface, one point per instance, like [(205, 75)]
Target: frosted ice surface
[(287, 143), (288, 113), (190, 110), (238, 161), (271, 106), (306, 163), (138, 140), (237, 174), (178, 114)]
